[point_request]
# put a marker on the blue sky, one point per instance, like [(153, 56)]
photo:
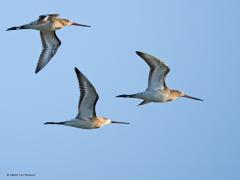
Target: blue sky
[(184, 139)]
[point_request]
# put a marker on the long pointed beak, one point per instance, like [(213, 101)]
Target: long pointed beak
[(118, 122), (16, 28), (77, 24), (12, 28), (190, 97)]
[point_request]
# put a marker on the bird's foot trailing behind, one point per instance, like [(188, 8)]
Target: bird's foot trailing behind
[(133, 96), (127, 95), (143, 102), (54, 123)]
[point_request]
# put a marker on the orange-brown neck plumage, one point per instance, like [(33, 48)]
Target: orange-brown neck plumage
[(174, 94), (100, 121)]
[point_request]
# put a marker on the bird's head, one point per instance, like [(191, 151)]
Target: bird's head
[(101, 121), (176, 94), (106, 121)]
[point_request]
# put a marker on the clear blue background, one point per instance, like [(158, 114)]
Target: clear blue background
[(184, 139)]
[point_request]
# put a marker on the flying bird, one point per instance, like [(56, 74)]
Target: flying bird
[(86, 117), (157, 90), (47, 25)]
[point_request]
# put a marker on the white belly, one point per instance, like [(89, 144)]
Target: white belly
[(50, 26), (84, 124), (153, 96)]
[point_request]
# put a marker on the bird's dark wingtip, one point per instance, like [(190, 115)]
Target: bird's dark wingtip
[(37, 70), (76, 70), (139, 53)]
